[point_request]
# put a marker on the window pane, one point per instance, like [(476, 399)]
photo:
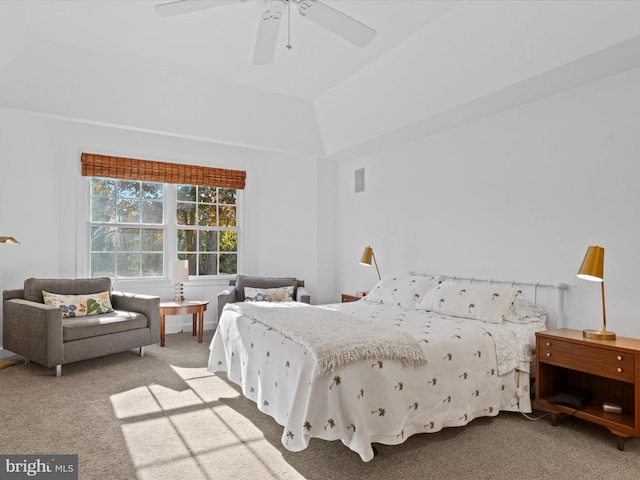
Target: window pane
[(103, 265), (208, 264), (151, 212), (128, 265), (208, 241), (187, 241), (228, 263), (228, 242), (227, 195), (207, 216), (152, 264), (153, 191), (207, 194), (152, 240), (227, 216), (103, 209), (186, 214), (128, 188), (103, 187), (129, 239), (128, 210), (102, 239), (186, 193)]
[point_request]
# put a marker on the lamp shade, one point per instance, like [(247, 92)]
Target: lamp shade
[(592, 267), (366, 256), (8, 240), (180, 272)]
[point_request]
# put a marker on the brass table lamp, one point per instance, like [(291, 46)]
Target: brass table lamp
[(367, 255), (592, 268), (8, 240)]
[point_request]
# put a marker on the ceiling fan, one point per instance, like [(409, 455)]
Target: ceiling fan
[(323, 15)]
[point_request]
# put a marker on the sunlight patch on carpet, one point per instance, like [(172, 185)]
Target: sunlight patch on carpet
[(189, 433), (134, 403), (191, 443), (212, 388)]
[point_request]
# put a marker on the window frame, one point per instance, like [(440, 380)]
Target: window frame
[(170, 228)]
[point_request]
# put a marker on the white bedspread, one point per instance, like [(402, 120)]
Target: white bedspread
[(379, 400), (332, 337)]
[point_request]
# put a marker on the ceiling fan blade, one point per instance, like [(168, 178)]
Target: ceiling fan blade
[(187, 6), (267, 38), (337, 22)]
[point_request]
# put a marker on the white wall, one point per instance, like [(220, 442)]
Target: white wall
[(516, 196), (502, 51), (38, 195)]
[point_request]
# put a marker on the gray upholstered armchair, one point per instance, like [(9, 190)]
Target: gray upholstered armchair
[(39, 332), (235, 291)]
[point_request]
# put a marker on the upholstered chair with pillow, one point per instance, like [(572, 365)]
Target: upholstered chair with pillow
[(251, 288), (59, 321)]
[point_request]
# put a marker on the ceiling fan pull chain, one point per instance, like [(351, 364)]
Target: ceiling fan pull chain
[(289, 47)]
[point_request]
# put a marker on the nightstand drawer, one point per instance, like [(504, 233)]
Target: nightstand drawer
[(588, 358)]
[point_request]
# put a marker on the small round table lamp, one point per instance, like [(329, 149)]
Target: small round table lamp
[(592, 268)]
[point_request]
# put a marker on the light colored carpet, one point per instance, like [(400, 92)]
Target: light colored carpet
[(164, 417)]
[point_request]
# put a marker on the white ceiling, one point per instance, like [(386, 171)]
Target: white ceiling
[(433, 65), (218, 42)]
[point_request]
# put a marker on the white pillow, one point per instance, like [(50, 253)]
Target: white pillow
[(485, 302), (278, 294), (523, 311), (404, 291)]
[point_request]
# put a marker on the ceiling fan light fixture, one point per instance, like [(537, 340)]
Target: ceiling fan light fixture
[(317, 12)]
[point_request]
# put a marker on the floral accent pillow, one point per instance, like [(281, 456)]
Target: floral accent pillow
[(79, 305), (279, 294), (404, 291), (488, 303)]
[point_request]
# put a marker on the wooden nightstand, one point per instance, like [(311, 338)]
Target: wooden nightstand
[(608, 370), (350, 297)]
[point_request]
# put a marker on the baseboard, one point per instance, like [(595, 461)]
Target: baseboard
[(185, 326), (5, 353)]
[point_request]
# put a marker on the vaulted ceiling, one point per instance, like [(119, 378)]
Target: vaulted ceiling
[(431, 66)]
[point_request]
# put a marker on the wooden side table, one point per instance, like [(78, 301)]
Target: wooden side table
[(609, 371), (195, 307)]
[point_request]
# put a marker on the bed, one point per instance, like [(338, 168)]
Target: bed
[(416, 355)]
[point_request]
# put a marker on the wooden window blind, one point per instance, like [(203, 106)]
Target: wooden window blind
[(95, 165)]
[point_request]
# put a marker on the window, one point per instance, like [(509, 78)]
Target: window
[(128, 228), (206, 228), (143, 214), (127, 232)]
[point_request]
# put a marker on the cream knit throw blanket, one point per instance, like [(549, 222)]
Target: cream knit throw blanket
[(333, 338)]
